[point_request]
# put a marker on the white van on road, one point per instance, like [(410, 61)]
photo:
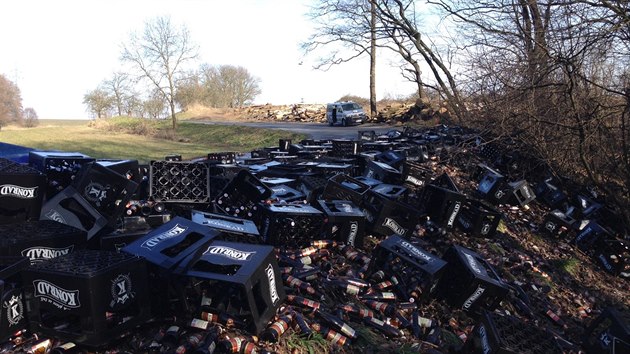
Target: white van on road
[(345, 114)]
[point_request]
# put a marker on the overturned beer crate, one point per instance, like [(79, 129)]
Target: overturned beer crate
[(286, 193), (344, 221), (344, 187), (60, 167), (13, 316), (40, 240), (470, 283), (383, 172), (386, 217), (289, 225), (88, 297), (502, 334), (240, 280), (230, 228), (609, 333), (22, 190), (442, 204), (478, 219), (168, 245), (416, 271), (242, 195)]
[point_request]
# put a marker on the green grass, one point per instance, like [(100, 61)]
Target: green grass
[(313, 344), (109, 141), (569, 265)]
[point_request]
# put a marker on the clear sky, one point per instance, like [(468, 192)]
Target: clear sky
[(58, 50)]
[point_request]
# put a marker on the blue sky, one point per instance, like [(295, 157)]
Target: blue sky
[(56, 51)]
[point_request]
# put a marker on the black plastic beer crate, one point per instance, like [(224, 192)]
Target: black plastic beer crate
[(173, 158), (40, 240), (386, 216), (344, 187), (370, 182), (557, 223), (242, 195), (119, 239), (366, 135), (288, 170), (521, 193), (550, 194), (230, 228), (417, 153), (240, 280), (478, 219), (168, 245), (609, 333), (586, 207), (276, 181), (383, 172), (493, 187), (283, 144), (88, 297), (60, 167), (13, 315), (379, 146), (224, 158), (441, 204), (502, 334), (345, 147), (590, 236), (70, 208), (391, 191), (344, 221), (470, 282), (417, 271), (106, 190), (289, 225), (328, 169), (179, 182), (613, 255), (416, 176), (286, 193), (393, 158), (22, 189)]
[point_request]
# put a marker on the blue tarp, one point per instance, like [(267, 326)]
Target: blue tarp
[(15, 153)]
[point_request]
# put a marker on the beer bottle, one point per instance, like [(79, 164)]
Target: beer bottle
[(299, 300), (171, 337), (379, 306), (332, 336), (338, 324), (277, 329), (66, 348), (301, 323), (383, 327), (209, 343)]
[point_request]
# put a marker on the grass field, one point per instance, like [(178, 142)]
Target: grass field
[(192, 140)]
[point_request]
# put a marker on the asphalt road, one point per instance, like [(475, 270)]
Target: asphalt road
[(318, 131)]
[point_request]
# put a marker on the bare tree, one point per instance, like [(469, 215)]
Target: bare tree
[(99, 102), (226, 86), (10, 102), (30, 117), (154, 106), (347, 29), (555, 74), (189, 90), (159, 54), (398, 22), (119, 87)]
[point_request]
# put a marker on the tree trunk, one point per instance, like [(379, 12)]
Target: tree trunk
[(373, 111)]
